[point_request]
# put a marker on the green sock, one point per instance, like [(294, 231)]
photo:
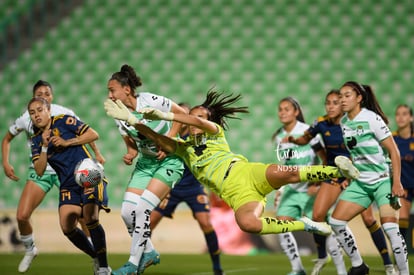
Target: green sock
[(315, 173), (274, 226)]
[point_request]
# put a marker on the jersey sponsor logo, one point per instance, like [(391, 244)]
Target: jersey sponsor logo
[(351, 142), (198, 150)]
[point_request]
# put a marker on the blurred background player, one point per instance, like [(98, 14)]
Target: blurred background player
[(36, 187), (190, 191), (294, 200), (370, 144), (404, 138), (328, 127)]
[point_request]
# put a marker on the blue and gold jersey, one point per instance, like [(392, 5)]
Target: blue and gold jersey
[(406, 147), (63, 159), (209, 159), (332, 138)]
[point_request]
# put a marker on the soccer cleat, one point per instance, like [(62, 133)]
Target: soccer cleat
[(127, 269), (319, 264), (27, 260), (347, 169), (302, 272), (147, 259), (104, 271), (363, 269), (219, 272), (321, 228), (390, 270)]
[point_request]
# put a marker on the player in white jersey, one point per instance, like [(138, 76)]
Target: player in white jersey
[(294, 200), (36, 187), (155, 172), (369, 140)]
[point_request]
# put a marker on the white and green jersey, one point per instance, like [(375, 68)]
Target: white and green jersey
[(146, 147), (362, 137), (292, 154), (24, 124)]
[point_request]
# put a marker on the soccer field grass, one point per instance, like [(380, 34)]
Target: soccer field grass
[(176, 264)]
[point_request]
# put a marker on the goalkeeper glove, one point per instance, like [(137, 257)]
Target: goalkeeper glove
[(155, 114), (119, 111)]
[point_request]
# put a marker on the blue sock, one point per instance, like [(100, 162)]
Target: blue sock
[(79, 239), (99, 242), (320, 242), (378, 237), (213, 249)]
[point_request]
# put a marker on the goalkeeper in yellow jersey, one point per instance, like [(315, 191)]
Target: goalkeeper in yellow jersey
[(243, 185)]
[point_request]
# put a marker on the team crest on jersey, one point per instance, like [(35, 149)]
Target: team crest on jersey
[(327, 134), (411, 146), (359, 130)]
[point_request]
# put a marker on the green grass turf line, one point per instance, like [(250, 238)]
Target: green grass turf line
[(176, 264)]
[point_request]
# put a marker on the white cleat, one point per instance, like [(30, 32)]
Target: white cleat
[(321, 228), (319, 264), (348, 170), (27, 260), (390, 270), (104, 271)]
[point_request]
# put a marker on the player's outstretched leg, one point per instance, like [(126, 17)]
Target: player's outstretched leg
[(346, 167), (321, 228)]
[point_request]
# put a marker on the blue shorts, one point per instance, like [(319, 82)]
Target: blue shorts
[(410, 194), (194, 196), (77, 195)]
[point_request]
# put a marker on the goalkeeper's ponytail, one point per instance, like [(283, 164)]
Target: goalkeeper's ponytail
[(218, 107)]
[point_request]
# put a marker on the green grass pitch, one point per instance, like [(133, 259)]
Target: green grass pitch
[(176, 264)]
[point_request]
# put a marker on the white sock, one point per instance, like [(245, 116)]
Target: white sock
[(149, 247), (129, 204), (28, 242), (290, 248), (399, 247), (346, 240), (334, 250), (142, 231)]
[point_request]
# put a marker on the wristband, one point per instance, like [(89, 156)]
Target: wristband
[(44, 149), (169, 116), (132, 120)]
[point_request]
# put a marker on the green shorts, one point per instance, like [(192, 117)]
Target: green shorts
[(45, 182), (364, 194), (295, 204), (246, 183), (169, 171)]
